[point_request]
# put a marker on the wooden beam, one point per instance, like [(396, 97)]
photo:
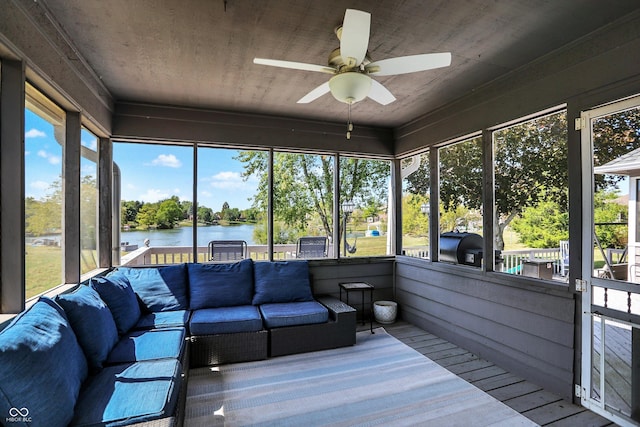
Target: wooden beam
[(396, 190), (142, 122), (434, 201), (105, 205), (488, 201), (71, 199), (12, 250)]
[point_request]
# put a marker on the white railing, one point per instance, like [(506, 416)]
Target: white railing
[(511, 260), (416, 251), (180, 254)]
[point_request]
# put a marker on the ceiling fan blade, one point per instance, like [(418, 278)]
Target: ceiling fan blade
[(354, 40), (409, 64), (380, 94), (294, 65), (315, 93)]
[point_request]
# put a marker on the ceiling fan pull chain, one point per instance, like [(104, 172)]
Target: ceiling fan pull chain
[(349, 124)]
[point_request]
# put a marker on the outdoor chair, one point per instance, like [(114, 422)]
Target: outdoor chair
[(227, 250), (564, 257), (311, 247)]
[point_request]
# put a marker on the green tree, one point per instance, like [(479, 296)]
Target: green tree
[(303, 186), (187, 209), (168, 213), (225, 206), (231, 214), (42, 217), (129, 210), (88, 202), (282, 234), (251, 214), (147, 214), (606, 212), (543, 225), (414, 222), (45, 216), (205, 215)]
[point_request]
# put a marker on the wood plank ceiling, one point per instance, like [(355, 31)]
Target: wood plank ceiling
[(198, 53)]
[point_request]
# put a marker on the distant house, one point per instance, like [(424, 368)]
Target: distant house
[(628, 165)]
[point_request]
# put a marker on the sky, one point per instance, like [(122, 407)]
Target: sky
[(149, 172), (155, 172)]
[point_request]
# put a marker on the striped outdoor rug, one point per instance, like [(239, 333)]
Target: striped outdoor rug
[(379, 381)]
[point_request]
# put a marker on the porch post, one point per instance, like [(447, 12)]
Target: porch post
[(12, 250), (635, 374), (488, 218), (335, 239), (434, 202), (105, 202), (71, 199)]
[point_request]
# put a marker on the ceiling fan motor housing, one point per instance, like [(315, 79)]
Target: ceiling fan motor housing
[(350, 87)]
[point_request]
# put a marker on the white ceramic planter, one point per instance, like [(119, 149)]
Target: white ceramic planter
[(385, 311)]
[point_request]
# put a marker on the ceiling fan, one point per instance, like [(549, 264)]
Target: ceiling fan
[(352, 68)]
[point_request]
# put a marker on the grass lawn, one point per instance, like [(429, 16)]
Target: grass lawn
[(368, 246), (43, 265)]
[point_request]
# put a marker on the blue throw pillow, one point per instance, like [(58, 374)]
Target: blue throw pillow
[(160, 288), (221, 285), (41, 366), (92, 322), (116, 292), (286, 281)]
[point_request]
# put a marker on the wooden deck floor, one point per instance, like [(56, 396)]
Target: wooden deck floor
[(540, 406)]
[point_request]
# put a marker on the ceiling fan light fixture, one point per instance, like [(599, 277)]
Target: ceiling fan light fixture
[(350, 87)]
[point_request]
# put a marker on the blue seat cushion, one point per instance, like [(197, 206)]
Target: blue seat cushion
[(284, 281), (116, 291), (221, 285), (293, 314), (225, 320), (129, 393), (164, 319), (160, 288), (149, 345), (92, 323), (42, 366)]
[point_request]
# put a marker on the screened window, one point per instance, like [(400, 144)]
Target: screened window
[(415, 205), (88, 202), (44, 141), (531, 215), (616, 147), (302, 205), (156, 194), (460, 178), (229, 203), (364, 206)]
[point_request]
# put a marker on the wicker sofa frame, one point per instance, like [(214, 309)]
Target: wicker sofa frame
[(339, 331)]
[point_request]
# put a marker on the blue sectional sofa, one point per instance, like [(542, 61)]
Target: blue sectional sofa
[(116, 351)]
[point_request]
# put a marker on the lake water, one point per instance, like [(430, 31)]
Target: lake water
[(183, 236)]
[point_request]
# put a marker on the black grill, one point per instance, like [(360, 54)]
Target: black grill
[(461, 248)]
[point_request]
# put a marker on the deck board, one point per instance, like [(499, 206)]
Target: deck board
[(514, 391), (533, 400), (497, 381), (535, 403)]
